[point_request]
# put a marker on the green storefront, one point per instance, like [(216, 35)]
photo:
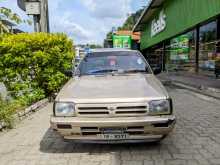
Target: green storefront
[(182, 35)]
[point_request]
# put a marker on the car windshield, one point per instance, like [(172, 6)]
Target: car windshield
[(113, 62)]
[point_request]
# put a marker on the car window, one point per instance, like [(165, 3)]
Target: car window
[(105, 62)]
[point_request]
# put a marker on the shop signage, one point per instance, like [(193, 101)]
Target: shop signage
[(159, 25), (180, 48), (32, 8), (121, 41)]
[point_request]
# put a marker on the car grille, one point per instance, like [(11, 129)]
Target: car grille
[(135, 130), (111, 110)]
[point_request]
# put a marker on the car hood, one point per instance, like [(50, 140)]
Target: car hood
[(113, 88)]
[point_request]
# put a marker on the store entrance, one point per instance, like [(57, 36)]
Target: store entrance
[(209, 55), (154, 56)]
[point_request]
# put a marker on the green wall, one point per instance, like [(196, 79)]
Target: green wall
[(181, 15)]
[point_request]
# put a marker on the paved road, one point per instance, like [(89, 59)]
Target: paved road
[(195, 140)]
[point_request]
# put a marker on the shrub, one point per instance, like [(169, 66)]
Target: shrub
[(7, 110), (32, 66)]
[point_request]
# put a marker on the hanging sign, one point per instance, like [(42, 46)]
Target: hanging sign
[(32, 8)]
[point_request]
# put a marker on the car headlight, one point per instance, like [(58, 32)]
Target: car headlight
[(64, 109), (160, 107)]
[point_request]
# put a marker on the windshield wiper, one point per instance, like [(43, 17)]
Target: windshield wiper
[(104, 71), (135, 71)]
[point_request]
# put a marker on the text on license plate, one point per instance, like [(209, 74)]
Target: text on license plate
[(113, 136)]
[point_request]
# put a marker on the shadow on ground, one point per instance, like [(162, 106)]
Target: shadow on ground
[(52, 142)]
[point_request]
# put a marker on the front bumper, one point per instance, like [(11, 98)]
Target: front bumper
[(140, 129)]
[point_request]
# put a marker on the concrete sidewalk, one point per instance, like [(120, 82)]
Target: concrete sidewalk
[(194, 141), (209, 86)]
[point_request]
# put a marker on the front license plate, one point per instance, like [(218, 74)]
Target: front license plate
[(113, 136)]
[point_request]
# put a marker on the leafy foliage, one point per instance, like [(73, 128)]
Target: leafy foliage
[(94, 46), (109, 35), (91, 46), (7, 14), (32, 66), (7, 109), (131, 21), (128, 24)]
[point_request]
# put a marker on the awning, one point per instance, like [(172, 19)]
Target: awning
[(134, 35)]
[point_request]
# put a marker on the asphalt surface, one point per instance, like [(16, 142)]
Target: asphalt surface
[(194, 141)]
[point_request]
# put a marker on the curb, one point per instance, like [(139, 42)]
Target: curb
[(31, 109), (207, 91)]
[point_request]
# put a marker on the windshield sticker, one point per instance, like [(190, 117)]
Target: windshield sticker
[(139, 61), (112, 62)]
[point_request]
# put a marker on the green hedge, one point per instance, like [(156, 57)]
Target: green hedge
[(7, 109), (32, 66), (35, 61)]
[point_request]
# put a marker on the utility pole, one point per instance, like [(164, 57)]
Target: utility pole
[(36, 23), (44, 16), (39, 10)]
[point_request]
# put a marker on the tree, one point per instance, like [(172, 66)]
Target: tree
[(131, 20), (7, 14), (94, 46), (128, 24), (109, 35)]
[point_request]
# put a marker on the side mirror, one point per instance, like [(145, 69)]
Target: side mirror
[(69, 73), (157, 70)]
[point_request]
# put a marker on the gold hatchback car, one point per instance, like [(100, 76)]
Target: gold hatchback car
[(113, 97)]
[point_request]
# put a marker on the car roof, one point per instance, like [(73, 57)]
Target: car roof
[(112, 50)]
